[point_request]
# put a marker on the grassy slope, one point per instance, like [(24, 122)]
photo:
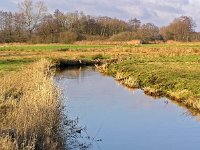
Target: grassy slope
[(173, 72)]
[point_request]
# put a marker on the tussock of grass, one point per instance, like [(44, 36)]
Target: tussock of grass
[(100, 56), (7, 143), (30, 109), (127, 80), (153, 92), (103, 68)]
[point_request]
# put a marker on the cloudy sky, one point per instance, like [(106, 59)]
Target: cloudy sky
[(159, 12)]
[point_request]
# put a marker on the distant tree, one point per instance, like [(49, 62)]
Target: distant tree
[(6, 26), (72, 20), (149, 32), (110, 26), (195, 36), (32, 23), (47, 31), (19, 27), (33, 14), (134, 24), (180, 29), (60, 20), (166, 33)]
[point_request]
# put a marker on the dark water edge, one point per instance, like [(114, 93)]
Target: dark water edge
[(121, 118)]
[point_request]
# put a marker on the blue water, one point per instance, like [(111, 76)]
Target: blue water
[(124, 119)]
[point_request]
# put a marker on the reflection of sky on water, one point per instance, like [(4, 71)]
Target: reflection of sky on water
[(126, 119)]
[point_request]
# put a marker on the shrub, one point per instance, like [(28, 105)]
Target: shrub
[(68, 37), (124, 36)]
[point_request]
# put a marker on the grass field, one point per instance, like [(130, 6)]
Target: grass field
[(12, 56), (51, 47), (180, 45), (12, 65)]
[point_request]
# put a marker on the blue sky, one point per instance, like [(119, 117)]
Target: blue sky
[(159, 12)]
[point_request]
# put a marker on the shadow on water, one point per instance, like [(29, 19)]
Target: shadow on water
[(121, 118), (74, 135)]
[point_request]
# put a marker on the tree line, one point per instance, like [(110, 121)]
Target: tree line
[(33, 23)]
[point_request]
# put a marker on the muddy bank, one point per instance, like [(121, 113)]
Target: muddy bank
[(65, 63)]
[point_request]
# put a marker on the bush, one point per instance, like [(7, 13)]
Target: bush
[(94, 37), (68, 37), (124, 36)]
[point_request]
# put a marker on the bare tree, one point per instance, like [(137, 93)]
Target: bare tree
[(19, 27), (6, 26), (180, 29), (134, 24), (33, 13), (149, 32)]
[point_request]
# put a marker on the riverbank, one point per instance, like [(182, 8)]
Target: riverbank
[(144, 117), (30, 110), (174, 77)]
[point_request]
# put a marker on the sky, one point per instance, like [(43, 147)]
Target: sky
[(159, 12)]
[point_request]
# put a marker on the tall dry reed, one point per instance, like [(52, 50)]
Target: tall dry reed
[(30, 113)]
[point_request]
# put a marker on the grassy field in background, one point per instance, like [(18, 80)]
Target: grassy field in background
[(51, 47), (12, 65), (14, 56)]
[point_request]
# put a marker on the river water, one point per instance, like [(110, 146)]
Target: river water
[(118, 118)]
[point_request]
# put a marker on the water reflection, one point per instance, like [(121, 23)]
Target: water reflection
[(118, 118)]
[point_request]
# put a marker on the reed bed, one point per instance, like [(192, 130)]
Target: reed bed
[(30, 110)]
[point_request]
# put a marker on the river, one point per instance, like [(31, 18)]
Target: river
[(118, 118)]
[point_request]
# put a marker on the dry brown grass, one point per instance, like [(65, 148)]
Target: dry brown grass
[(30, 109)]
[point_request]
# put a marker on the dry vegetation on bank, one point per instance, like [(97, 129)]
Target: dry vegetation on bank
[(30, 109)]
